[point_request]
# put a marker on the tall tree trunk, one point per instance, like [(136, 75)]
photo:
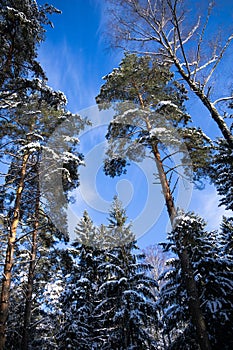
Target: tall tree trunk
[(190, 283), (9, 261), (31, 274), (191, 287)]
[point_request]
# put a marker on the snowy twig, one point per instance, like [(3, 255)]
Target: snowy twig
[(222, 99)]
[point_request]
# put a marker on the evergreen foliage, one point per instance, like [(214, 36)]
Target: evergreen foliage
[(213, 273), (30, 113), (127, 310), (108, 300), (22, 29), (221, 173), (150, 113)]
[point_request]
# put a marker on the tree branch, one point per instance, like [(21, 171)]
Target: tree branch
[(220, 56), (222, 99)]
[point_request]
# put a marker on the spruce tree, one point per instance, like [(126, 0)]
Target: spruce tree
[(213, 274), (221, 170), (108, 299), (78, 329), (126, 309)]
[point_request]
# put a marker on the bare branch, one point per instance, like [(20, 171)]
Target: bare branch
[(218, 59), (175, 185), (212, 60), (222, 99), (198, 56), (193, 30), (177, 24)]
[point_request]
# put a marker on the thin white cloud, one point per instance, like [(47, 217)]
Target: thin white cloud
[(66, 70), (206, 204)]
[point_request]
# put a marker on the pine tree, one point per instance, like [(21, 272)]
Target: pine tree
[(29, 295), (24, 137), (30, 113), (151, 121), (163, 28), (22, 29)]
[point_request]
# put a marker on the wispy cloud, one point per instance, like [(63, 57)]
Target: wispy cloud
[(66, 70), (206, 204)]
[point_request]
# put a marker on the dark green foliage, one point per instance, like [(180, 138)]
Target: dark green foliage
[(140, 77), (78, 299), (115, 167), (213, 273), (108, 300), (21, 31), (48, 262), (30, 114), (221, 173), (149, 112)]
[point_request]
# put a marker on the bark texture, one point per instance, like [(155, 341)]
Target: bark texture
[(9, 260)]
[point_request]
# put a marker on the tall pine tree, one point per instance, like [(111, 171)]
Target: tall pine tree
[(156, 110)]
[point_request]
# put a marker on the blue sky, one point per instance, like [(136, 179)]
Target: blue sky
[(75, 57), (74, 54)]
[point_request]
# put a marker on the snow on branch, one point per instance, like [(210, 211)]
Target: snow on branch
[(165, 103), (212, 60), (222, 99), (31, 147), (20, 15), (193, 30)]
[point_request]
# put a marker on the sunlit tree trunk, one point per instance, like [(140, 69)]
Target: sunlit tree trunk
[(9, 260), (190, 283)]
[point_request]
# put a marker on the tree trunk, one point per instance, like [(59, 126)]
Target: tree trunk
[(190, 283), (194, 301), (9, 261), (191, 287), (31, 274), (165, 185)]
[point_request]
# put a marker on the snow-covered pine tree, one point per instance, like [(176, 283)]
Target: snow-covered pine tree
[(78, 329), (157, 258), (26, 130), (126, 308), (149, 115), (30, 112), (213, 274), (227, 236), (22, 29), (216, 271), (163, 28), (108, 303), (29, 292)]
